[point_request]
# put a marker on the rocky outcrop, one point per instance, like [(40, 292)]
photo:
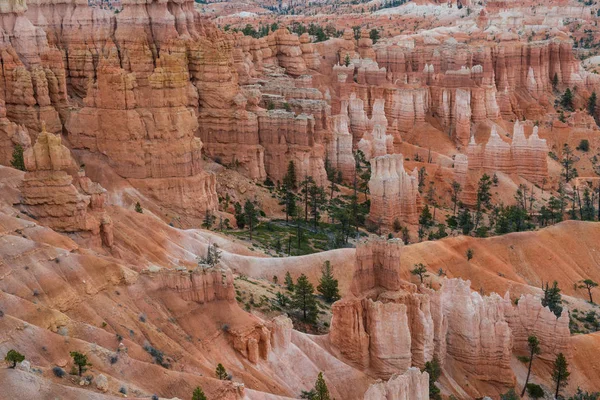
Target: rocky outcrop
[(394, 192), (252, 341), (386, 326), (146, 129), (339, 149), (201, 285), (479, 338), (377, 143), (288, 137), (57, 199), (411, 385), (528, 318), (526, 157), (377, 265)]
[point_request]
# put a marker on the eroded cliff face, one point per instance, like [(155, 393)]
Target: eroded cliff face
[(411, 385), (388, 325), (394, 192), (57, 194)]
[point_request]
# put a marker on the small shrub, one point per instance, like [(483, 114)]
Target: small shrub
[(58, 372), (138, 208), (523, 359), (535, 391), (123, 390), (142, 317), (584, 145), (114, 359)]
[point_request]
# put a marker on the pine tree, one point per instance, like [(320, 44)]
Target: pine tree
[(316, 201), (420, 270), (456, 189), (251, 216), (289, 180), (328, 285), (198, 394), (567, 100), (591, 104), (347, 60), (80, 360), (560, 373), (433, 369), (303, 299), (240, 217), (209, 220), (221, 372), (553, 299), (569, 172), (289, 282), (321, 391), (588, 284), (138, 208), (290, 204), (374, 35), (18, 161), (555, 81), (534, 349)]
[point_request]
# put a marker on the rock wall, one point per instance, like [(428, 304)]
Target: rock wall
[(479, 338), (201, 285), (377, 264), (394, 192), (528, 318), (526, 157), (411, 385), (388, 325), (57, 199)]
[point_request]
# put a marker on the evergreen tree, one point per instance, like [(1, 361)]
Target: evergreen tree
[(14, 357), (303, 299), (251, 216), (209, 220), (18, 161), (81, 361), (213, 256), (221, 372), (282, 299), (198, 394), (328, 285), (316, 202), (426, 219), (555, 81), (289, 180), (433, 369), (581, 395), (420, 270), (306, 185), (138, 208), (534, 349), (469, 254), (374, 35), (591, 104), (456, 189), (240, 218), (560, 373), (289, 282), (347, 60), (568, 159), (553, 299), (567, 100), (290, 204), (588, 284), (321, 391)]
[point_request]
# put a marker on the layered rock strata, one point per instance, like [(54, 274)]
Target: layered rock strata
[(526, 157), (394, 192), (57, 199)]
